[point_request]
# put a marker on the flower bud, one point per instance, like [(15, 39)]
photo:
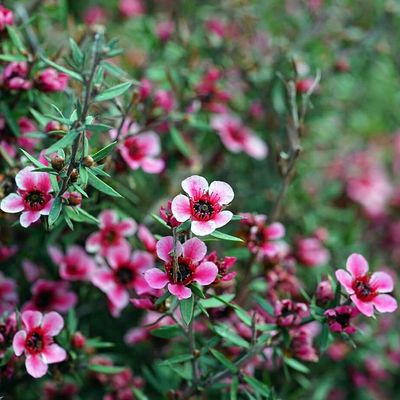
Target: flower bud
[(74, 199), (88, 161), (324, 293), (57, 163), (74, 175), (78, 340)]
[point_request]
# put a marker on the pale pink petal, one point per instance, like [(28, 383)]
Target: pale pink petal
[(42, 182), (382, 282), (202, 228), (366, 308), (103, 278), (93, 242), (24, 179), (28, 217), (108, 218), (180, 291), (194, 249), (222, 218), (149, 143), (127, 227), (180, 208), (152, 165), (19, 343), (35, 366), (165, 247), (118, 255), (65, 301), (12, 203), (345, 279), (55, 254), (47, 208), (52, 323), (133, 164), (275, 231), (205, 273), (223, 191), (156, 278), (54, 354), (31, 319), (255, 147), (195, 185), (119, 297), (270, 249), (141, 286), (357, 265), (142, 260), (385, 303)]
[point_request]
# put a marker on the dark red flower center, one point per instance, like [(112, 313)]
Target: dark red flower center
[(109, 236), (184, 271), (134, 149), (205, 207), (35, 200), (363, 289), (35, 341), (44, 299), (124, 275), (343, 319), (237, 133)]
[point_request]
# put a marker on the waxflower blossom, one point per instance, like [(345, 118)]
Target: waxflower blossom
[(223, 265), (165, 29), (310, 252), (125, 273), (15, 76), (33, 196), (112, 233), (190, 267), (75, 265), (6, 18), (289, 313), (367, 291), (204, 206), (50, 80), (237, 138), (131, 8), (339, 319), (35, 339)]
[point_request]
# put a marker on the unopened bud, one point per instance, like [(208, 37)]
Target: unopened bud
[(88, 161), (74, 199), (74, 175), (57, 163), (78, 340)]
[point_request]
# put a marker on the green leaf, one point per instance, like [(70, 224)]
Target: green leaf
[(114, 91), (227, 333), (242, 315), (99, 344), (114, 69), (106, 369), (104, 152), (183, 227), (33, 160), (178, 359), (83, 175), (296, 365), (234, 388), (179, 141), (98, 128), (224, 236), (12, 57), (217, 301), (167, 332), (49, 170), (60, 68), (55, 210), (139, 394), (72, 321), (87, 217), (162, 298), (14, 36), (64, 142), (5, 110), (39, 117), (76, 52), (196, 289), (259, 387), (100, 185), (6, 357), (223, 360), (187, 308), (160, 220)]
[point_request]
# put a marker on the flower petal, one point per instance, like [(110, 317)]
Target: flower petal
[(255, 147), (28, 217), (202, 228), (12, 203), (222, 218), (142, 260), (275, 230), (108, 218), (194, 249), (54, 354), (180, 291), (382, 282), (156, 278), (55, 254), (366, 308), (35, 366), (93, 242), (24, 179), (345, 279), (19, 343), (152, 165), (52, 323), (357, 265), (127, 227), (119, 297), (118, 255), (205, 273), (180, 208), (103, 278), (385, 303), (165, 246), (195, 185), (223, 190), (31, 319)]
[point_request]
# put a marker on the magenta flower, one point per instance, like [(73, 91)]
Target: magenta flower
[(35, 339), (339, 319), (50, 80), (15, 76), (289, 313), (204, 206), (311, 252), (164, 99), (111, 235), (367, 291), (33, 196), (165, 29), (126, 273), (131, 8), (6, 17), (51, 295), (190, 267), (224, 265), (236, 137), (75, 265)]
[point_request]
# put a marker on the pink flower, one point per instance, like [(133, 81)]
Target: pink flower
[(302, 342), (15, 76), (50, 295), (33, 196), (131, 8), (165, 29), (8, 294), (339, 319), (367, 291), (223, 265), (236, 137), (164, 99), (190, 268), (111, 235), (6, 17), (324, 292), (50, 80), (216, 26), (310, 252), (125, 273), (167, 216), (35, 339), (147, 238), (95, 15), (75, 265), (204, 206), (289, 313)]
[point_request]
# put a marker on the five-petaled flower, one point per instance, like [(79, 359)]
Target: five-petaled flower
[(35, 339), (33, 196), (187, 269), (367, 291), (204, 206)]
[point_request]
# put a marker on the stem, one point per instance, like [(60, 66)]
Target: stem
[(192, 348), (175, 256)]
